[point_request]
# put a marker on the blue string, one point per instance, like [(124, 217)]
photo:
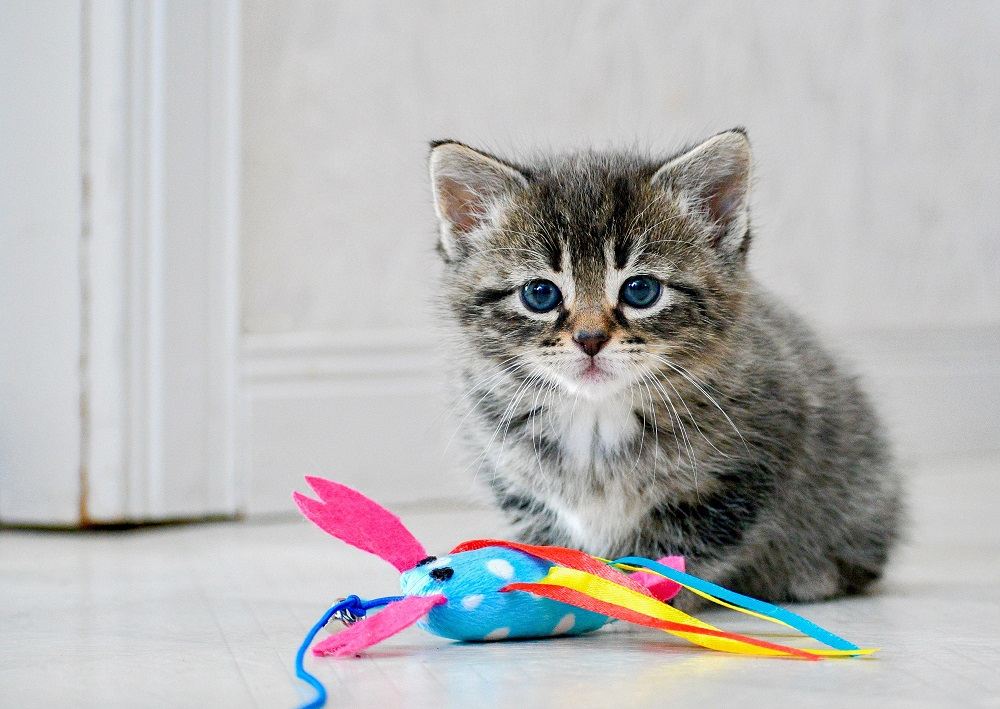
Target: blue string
[(353, 605), (801, 624)]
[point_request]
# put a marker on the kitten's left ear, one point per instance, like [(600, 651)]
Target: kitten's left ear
[(714, 180), (468, 188)]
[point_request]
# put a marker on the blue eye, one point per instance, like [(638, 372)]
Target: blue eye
[(640, 291), (540, 296)]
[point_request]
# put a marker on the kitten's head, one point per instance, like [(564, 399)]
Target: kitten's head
[(591, 271)]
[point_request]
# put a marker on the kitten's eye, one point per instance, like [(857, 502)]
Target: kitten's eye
[(640, 291), (540, 296)]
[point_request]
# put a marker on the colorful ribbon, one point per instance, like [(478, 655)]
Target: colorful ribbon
[(598, 585), (759, 608)]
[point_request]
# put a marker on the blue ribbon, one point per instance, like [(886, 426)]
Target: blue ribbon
[(807, 627)]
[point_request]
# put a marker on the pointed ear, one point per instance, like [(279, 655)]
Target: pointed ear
[(468, 187), (713, 180)]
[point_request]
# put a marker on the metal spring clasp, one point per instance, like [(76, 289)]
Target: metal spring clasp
[(351, 614)]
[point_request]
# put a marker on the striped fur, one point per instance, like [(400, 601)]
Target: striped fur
[(715, 426)]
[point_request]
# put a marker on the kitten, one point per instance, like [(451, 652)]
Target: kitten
[(628, 388)]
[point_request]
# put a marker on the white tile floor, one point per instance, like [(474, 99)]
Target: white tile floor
[(211, 615)]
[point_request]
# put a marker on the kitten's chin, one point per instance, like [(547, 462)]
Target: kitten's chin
[(593, 381)]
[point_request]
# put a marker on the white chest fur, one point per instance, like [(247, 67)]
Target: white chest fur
[(590, 429), (599, 524), (592, 433)]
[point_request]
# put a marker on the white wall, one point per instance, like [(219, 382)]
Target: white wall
[(40, 227), (872, 124), (876, 210)]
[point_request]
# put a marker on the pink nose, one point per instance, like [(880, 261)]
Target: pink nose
[(591, 342)]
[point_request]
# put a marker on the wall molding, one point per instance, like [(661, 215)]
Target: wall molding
[(939, 391), (366, 407), (322, 354), (334, 358)]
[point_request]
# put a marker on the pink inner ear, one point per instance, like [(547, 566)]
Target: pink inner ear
[(395, 617), (351, 517), (662, 588)]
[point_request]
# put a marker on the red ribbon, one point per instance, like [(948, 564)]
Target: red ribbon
[(571, 558), (581, 600)]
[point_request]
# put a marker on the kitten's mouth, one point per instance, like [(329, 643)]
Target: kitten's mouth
[(592, 372), (592, 378)]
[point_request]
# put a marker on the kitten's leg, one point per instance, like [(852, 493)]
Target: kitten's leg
[(533, 522), (762, 579), (818, 579)]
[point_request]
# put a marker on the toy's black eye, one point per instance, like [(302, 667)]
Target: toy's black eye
[(426, 560), (540, 296), (640, 291), (442, 574)]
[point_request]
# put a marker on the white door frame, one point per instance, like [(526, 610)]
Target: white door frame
[(156, 278), (161, 158)]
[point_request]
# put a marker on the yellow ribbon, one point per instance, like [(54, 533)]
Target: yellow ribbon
[(615, 594)]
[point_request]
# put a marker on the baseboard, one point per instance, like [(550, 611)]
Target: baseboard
[(368, 408)]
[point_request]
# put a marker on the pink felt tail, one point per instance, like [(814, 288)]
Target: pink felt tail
[(662, 588), (351, 517), (395, 617)]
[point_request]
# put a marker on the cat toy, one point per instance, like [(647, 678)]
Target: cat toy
[(491, 589)]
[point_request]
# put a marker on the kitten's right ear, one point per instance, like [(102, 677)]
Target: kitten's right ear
[(714, 178), (468, 187)]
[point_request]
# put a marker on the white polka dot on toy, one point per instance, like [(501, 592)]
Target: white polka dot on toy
[(501, 568), (498, 634), (565, 624), (472, 601)]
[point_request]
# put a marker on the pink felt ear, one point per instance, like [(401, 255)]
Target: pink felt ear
[(395, 617), (662, 588), (350, 516)]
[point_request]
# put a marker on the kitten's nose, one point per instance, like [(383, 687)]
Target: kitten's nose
[(591, 342)]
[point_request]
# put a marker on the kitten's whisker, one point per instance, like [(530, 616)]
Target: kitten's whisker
[(506, 417), (690, 377), (691, 416), (642, 411), (624, 424), (483, 456), (443, 348), (672, 414), (642, 434), (683, 242), (505, 367), (545, 388), (692, 457), (693, 460), (495, 376), (503, 443), (656, 434), (534, 428), (551, 391)]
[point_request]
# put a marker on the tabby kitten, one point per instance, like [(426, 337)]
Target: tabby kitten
[(628, 388)]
